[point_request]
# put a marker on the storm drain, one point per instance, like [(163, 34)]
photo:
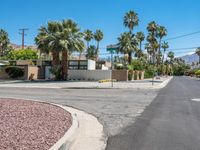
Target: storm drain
[(196, 99)]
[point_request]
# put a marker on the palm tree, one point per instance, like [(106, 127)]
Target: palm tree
[(171, 56), (92, 52), (98, 36), (88, 36), (4, 41), (198, 53), (165, 46), (152, 27), (140, 36), (72, 40), (149, 50), (48, 40), (127, 44), (59, 37), (131, 20), (161, 32)]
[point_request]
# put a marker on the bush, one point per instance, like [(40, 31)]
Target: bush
[(15, 72), (57, 72), (197, 73)]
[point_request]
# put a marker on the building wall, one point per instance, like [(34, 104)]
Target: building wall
[(32, 73), (120, 75), (89, 74)]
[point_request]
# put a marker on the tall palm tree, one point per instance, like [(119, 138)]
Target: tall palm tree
[(98, 36), (161, 32), (88, 36), (140, 36), (127, 44), (152, 27), (48, 40), (4, 41), (131, 20), (198, 53), (71, 40), (165, 46)]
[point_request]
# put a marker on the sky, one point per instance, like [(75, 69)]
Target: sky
[(178, 16)]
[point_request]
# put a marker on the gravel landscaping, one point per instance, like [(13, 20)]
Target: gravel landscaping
[(29, 125)]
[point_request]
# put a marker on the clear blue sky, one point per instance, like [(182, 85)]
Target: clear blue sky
[(178, 16)]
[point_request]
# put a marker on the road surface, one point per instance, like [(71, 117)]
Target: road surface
[(170, 122)]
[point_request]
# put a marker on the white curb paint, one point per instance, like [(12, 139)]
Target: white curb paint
[(196, 99)]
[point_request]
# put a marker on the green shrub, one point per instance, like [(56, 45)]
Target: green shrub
[(14, 72), (57, 72), (197, 73)]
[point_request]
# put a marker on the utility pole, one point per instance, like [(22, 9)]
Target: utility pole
[(22, 32)]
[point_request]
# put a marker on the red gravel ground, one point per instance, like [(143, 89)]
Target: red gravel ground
[(28, 125)]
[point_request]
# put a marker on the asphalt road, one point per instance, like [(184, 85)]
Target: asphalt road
[(115, 108), (170, 122)]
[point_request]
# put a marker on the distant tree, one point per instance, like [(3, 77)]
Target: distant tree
[(198, 53), (88, 36), (92, 52), (140, 36), (171, 56), (4, 42), (98, 36)]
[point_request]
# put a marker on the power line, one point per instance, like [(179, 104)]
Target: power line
[(22, 32), (181, 36)]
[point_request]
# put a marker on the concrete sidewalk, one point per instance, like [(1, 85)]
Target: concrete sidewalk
[(144, 84)]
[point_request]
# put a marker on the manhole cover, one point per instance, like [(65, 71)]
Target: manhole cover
[(196, 99)]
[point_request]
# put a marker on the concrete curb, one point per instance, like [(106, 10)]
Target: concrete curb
[(68, 139), (164, 83)]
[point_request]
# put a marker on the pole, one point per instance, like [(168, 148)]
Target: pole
[(112, 69), (23, 35)]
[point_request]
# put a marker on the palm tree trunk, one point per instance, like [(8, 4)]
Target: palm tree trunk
[(140, 45), (129, 57), (65, 65), (55, 61), (163, 61), (97, 56)]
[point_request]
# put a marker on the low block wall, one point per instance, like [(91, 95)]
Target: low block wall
[(120, 75), (3, 74), (89, 74), (31, 73)]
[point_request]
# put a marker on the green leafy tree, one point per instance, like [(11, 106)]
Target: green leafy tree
[(4, 42), (24, 54)]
